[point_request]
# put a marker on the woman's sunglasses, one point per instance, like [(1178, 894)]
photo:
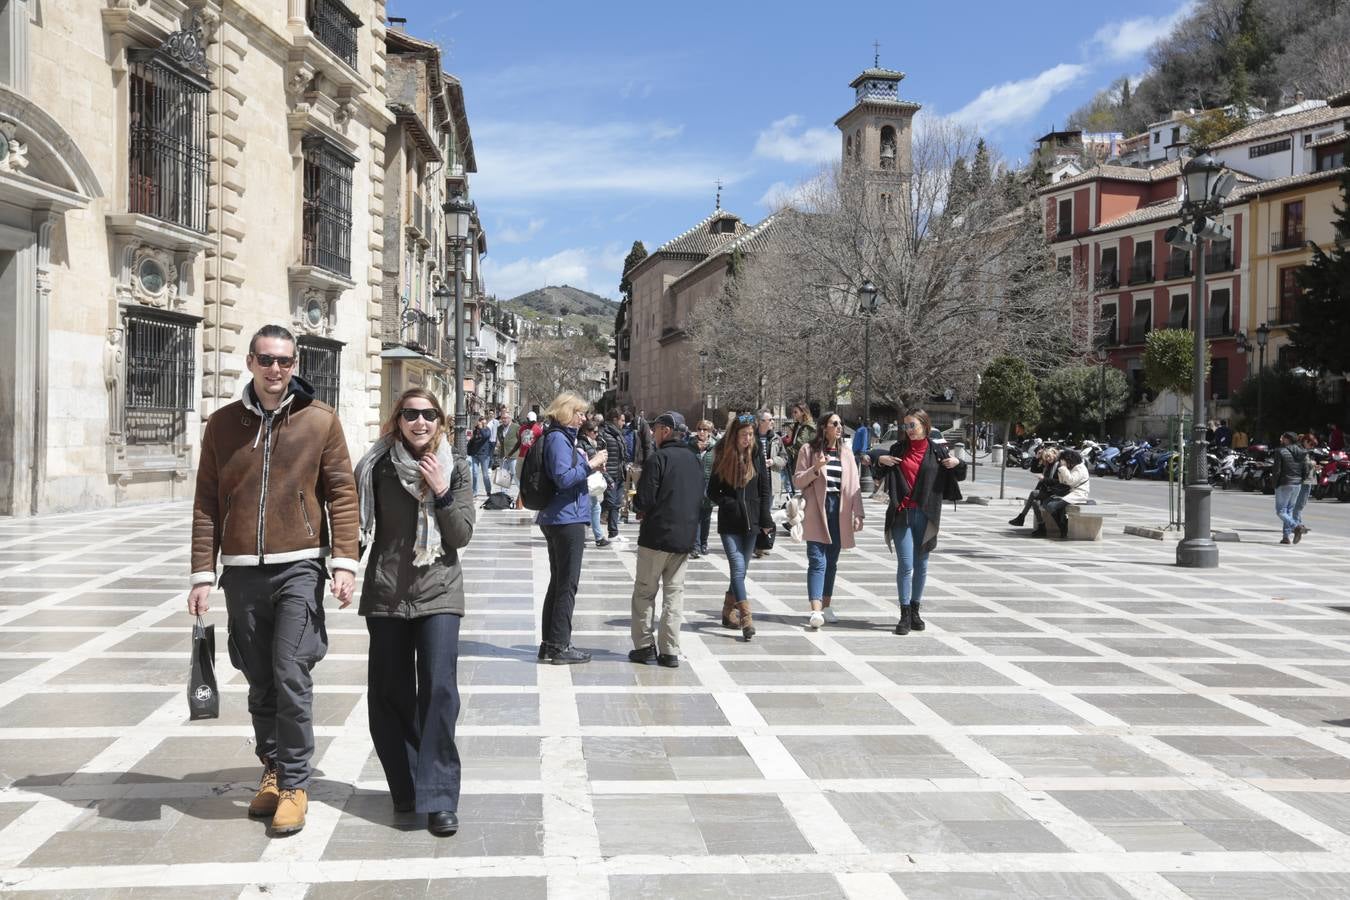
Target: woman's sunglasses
[(745, 420), (411, 415), (910, 426)]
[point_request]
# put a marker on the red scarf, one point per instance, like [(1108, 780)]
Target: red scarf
[(909, 470)]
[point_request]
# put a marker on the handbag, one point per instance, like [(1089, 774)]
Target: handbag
[(502, 478), (203, 696), (596, 485)]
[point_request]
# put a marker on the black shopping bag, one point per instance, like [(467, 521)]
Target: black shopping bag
[(203, 698)]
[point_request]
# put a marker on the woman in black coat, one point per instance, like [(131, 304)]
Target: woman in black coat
[(919, 476), (416, 502), (740, 488)]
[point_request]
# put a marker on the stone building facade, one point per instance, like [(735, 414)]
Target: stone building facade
[(173, 175)]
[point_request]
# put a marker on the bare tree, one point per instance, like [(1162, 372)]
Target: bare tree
[(548, 366)]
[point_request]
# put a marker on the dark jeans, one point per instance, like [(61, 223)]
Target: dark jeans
[(565, 545), (1055, 506), (276, 635), (822, 560), (704, 526), (413, 705), (610, 507)]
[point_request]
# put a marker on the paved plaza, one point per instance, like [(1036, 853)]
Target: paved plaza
[(1078, 721)]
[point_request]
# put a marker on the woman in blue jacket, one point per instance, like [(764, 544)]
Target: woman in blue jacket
[(564, 522)]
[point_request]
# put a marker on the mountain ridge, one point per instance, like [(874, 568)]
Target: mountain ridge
[(563, 300)]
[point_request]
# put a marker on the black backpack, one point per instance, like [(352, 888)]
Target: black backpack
[(497, 500), (536, 487)]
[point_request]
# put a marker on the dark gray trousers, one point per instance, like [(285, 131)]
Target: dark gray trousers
[(414, 702), (277, 634)]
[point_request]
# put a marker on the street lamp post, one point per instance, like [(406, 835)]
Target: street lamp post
[(1262, 336), (702, 384), (458, 211), (867, 307), (1101, 393), (1205, 184)]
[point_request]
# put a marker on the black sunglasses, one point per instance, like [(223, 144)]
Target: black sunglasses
[(410, 415), (265, 360)]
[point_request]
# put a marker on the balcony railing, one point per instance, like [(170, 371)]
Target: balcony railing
[(1220, 261), (1218, 324), (421, 333), (1141, 273), (1179, 268), (1289, 239), (1285, 312), (336, 27)]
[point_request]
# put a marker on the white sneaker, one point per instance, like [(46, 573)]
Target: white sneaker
[(830, 616), (816, 619)]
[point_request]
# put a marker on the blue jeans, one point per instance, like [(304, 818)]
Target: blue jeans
[(738, 548), (1286, 495), (1304, 492), (596, 531), (911, 569), (822, 560), (786, 475), (480, 467)]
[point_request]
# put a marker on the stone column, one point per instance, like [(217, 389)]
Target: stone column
[(44, 223)]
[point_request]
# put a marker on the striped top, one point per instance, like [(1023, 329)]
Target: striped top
[(834, 472)]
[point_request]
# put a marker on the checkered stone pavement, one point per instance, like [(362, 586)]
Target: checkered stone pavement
[(1079, 721)]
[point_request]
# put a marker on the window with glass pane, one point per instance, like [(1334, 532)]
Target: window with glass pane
[(166, 171), (328, 206), (1179, 315), (1219, 320), (160, 368), (320, 365), (1218, 377), (1292, 217)]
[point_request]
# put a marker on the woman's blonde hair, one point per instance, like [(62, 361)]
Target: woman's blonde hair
[(565, 406), (391, 424)]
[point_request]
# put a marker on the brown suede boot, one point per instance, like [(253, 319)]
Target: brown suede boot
[(291, 808), (264, 802), (747, 619), (731, 618)]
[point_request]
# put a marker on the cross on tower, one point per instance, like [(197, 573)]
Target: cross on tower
[(876, 54), (719, 194)]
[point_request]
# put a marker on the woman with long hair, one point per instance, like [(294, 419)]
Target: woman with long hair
[(416, 502), (739, 486), (563, 521), (827, 478), (919, 476)]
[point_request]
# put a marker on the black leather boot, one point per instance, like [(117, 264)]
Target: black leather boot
[(914, 621), (906, 618)]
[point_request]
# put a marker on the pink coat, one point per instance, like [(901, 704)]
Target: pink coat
[(812, 488)]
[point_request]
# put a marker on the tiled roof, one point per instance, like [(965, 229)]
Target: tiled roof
[(1341, 99), (1309, 118), (877, 72), (1328, 140), (1287, 182), (1119, 173), (700, 239), (752, 240)]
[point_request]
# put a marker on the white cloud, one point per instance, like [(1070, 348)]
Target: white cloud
[(1017, 101), (588, 268), (1124, 40), (782, 141), (800, 195), (512, 234), (536, 159)]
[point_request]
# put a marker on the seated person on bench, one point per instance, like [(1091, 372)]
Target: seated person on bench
[(1044, 490), (1072, 488)]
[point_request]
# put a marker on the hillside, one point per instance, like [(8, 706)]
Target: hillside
[(562, 302)]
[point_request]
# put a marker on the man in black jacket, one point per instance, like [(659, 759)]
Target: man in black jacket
[(669, 501), (611, 439)]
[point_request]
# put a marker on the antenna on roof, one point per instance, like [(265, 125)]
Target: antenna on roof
[(719, 194), (876, 54)]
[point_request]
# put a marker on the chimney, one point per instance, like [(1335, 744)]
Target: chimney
[(1298, 95), (397, 23)]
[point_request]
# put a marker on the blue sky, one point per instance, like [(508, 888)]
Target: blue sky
[(597, 124)]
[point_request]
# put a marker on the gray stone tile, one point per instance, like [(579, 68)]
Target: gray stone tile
[(614, 758), (1263, 756), (19, 641), (105, 671), (1072, 756), (999, 886), (1166, 709), (517, 888), (884, 643), (941, 673), (647, 823), (981, 624), (770, 671), (649, 709), (744, 824), (1314, 711), (718, 887), (873, 756), (1262, 885), (1089, 672), (93, 618), (1292, 649), (1029, 646), (1160, 647), (826, 709), (489, 825), (213, 760), (998, 709), (499, 709), (1235, 675), (86, 710), (922, 823), (1333, 809)]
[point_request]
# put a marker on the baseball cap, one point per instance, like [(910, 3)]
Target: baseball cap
[(671, 420)]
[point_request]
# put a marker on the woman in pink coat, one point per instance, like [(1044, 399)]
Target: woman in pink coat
[(827, 480)]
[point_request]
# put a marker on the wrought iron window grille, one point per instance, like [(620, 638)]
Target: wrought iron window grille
[(327, 241), (336, 27), (321, 366), (160, 369)]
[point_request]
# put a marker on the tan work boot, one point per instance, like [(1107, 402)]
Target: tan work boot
[(731, 618), (747, 619), (291, 809), (264, 802)]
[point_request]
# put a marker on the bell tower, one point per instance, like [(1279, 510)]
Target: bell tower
[(876, 135)]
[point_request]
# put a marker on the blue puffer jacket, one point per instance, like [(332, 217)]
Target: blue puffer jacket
[(565, 463)]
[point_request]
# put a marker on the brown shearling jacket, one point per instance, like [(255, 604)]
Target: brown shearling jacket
[(263, 483)]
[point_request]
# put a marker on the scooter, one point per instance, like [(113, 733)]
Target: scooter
[(1223, 467), (1259, 473), (1153, 464), (1129, 461), (1333, 475)]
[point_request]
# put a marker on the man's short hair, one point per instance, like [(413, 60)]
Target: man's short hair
[(270, 331)]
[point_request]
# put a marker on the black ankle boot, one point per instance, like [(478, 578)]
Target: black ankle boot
[(906, 620), (1018, 521), (914, 621)]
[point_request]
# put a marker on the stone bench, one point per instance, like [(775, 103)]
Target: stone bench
[(1085, 521)]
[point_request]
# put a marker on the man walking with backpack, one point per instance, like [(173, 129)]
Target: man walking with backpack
[(270, 462), (526, 435), (669, 502)]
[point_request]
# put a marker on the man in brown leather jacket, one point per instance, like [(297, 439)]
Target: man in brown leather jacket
[(275, 497)]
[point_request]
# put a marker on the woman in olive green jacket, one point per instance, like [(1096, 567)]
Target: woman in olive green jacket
[(416, 500)]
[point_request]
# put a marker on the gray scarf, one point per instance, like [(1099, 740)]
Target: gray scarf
[(427, 547)]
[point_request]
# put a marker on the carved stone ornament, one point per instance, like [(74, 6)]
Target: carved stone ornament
[(343, 113), (13, 152), (313, 313), (153, 277), (299, 77)]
